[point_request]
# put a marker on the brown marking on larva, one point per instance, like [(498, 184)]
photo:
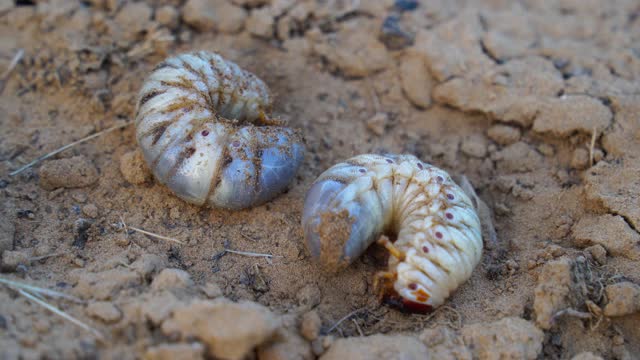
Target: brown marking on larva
[(182, 157), (257, 162), (354, 162), (183, 104), (158, 132), (191, 69), (334, 230), (439, 265), (163, 65), (189, 152), (155, 128), (150, 95), (182, 83)]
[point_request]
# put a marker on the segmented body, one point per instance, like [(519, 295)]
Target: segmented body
[(439, 240), (202, 123)]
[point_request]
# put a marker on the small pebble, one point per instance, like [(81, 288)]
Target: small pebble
[(168, 16), (260, 23), (503, 134), (74, 172), (12, 259), (392, 34), (580, 159), (406, 5), (104, 311), (598, 253), (310, 325), (211, 290), (90, 210), (546, 150), (172, 278), (133, 168), (377, 123)]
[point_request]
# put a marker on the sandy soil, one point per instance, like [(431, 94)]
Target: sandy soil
[(537, 103)]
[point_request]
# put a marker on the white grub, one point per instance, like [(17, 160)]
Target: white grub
[(202, 123), (437, 231)]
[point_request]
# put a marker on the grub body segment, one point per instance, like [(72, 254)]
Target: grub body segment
[(203, 125), (437, 231)]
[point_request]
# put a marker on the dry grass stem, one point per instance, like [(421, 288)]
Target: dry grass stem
[(248, 253), (59, 150), (61, 313), (592, 145), (343, 319), (39, 290), (127, 227), (14, 62)]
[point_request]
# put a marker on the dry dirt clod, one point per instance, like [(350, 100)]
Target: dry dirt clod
[(377, 123), (416, 80), (260, 23), (211, 290), (310, 325), (75, 172), (12, 259), (133, 168), (147, 265), (504, 134), (553, 291), (586, 356), (355, 51), (609, 231), (106, 284), (509, 338), (580, 159), (90, 210), (168, 16), (230, 330), (598, 253), (191, 351), (623, 299), (172, 278), (377, 347), (104, 311), (286, 345)]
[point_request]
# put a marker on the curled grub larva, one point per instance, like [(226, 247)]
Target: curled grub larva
[(437, 231), (202, 123)]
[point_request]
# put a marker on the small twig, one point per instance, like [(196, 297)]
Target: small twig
[(38, 258), (61, 313), (573, 313), (248, 237), (14, 62), (248, 253), (127, 227), (592, 145), (357, 326), (155, 235), (343, 319), (39, 290), (59, 150)]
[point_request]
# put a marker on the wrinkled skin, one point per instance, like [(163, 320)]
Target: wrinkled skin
[(202, 125), (438, 233)]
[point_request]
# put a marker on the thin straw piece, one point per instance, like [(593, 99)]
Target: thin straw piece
[(253, 254), (39, 290), (62, 314), (55, 152), (154, 235)]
